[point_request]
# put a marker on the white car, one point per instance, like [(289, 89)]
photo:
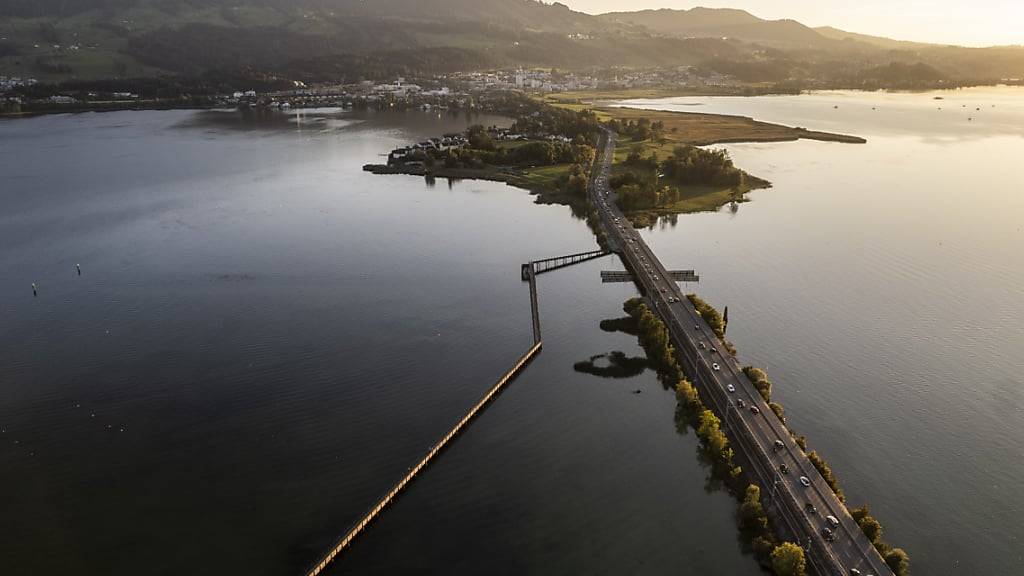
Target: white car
[(805, 481), (833, 521), (716, 368), (730, 388)]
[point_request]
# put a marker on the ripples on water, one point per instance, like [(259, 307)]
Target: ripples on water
[(264, 337)]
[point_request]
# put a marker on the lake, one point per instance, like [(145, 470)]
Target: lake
[(264, 337), (882, 286)]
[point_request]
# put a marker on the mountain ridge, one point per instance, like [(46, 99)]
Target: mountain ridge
[(337, 39)]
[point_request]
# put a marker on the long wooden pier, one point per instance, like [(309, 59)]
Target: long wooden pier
[(381, 504)]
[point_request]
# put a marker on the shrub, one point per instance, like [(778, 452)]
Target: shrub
[(826, 473), (752, 516), (788, 560), (898, 561), (759, 378), (687, 395)]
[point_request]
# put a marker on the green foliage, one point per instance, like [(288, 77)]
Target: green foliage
[(898, 561), (654, 338), (713, 318), (759, 378), (690, 165), (752, 515), (687, 396), (479, 139), (763, 547), (788, 560), (826, 473), (779, 411)]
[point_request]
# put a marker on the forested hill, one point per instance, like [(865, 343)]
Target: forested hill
[(340, 40), (315, 39)]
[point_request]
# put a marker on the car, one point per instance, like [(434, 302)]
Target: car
[(656, 278), (805, 481), (832, 520), (783, 468), (714, 351), (811, 508), (662, 290), (755, 410), (828, 535), (741, 403), (730, 388), (854, 572), (696, 327), (778, 445), (716, 367), (702, 345)]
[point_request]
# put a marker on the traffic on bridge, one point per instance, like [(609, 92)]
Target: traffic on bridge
[(798, 498)]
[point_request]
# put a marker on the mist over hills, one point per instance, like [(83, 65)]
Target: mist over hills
[(348, 39)]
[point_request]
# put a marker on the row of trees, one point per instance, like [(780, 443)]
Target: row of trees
[(785, 559), (639, 129), (713, 318), (896, 558)]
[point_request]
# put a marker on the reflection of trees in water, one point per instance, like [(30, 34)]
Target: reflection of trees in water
[(625, 325), (619, 365)]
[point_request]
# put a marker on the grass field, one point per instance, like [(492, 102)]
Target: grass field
[(705, 129)]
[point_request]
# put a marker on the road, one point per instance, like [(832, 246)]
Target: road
[(758, 436)]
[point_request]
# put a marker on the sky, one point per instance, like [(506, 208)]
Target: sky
[(965, 22)]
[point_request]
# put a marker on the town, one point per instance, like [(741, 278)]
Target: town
[(457, 90)]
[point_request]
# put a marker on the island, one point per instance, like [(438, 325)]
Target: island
[(664, 164)]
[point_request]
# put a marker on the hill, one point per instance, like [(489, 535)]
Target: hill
[(315, 40), (723, 23), (310, 39)]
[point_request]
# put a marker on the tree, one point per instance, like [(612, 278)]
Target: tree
[(871, 527), (687, 395), (788, 560), (898, 561), (752, 516)]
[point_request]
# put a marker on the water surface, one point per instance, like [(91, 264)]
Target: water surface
[(882, 285), (264, 337)]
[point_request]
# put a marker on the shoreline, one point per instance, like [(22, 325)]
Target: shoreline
[(510, 176)]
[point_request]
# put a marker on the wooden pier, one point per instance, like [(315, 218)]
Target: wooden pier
[(381, 504)]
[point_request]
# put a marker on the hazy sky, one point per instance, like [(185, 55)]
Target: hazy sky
[(968, 22)]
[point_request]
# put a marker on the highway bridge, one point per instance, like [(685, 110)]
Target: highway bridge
[(761, 441)]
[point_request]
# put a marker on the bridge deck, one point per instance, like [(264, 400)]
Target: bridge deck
[(753, 435)]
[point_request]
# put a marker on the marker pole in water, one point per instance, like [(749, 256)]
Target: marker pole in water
[(79, 268), (34, 292)]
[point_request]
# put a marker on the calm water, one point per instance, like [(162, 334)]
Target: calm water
[(883, 287), (264, 337)]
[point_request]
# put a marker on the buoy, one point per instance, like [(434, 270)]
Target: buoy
[(34, 292), (79, 268)]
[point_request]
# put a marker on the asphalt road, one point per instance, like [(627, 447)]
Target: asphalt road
[(753, 435)]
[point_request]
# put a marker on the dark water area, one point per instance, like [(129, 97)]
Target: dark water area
[(264, 337)]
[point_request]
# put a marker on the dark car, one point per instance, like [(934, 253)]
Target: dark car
[(828, 534), (778, 445), (784, 469), (811, 508), (755, 409)]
